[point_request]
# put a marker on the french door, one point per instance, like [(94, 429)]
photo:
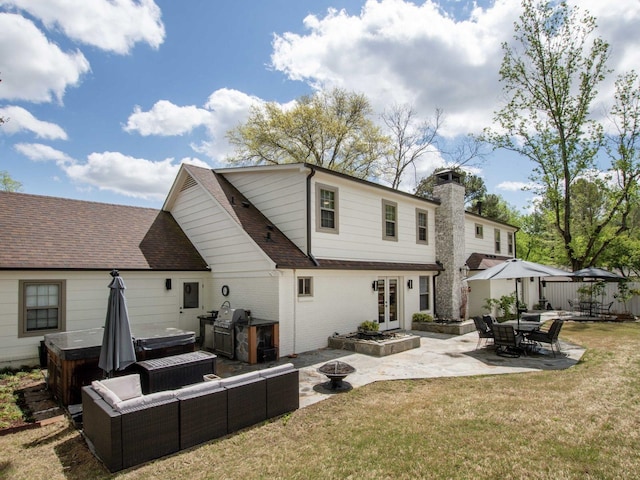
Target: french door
[(388, 317)]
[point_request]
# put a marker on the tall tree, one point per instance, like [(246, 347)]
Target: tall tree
[(550, 79), (410, 138), (474, 187), (329, 129)]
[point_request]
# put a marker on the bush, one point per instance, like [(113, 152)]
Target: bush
[(369, 326), (422, 317), (505, 304)]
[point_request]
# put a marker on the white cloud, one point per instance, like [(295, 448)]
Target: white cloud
[(43, 153), (397, 51), (166, 119), (33, 68), (129, 176), (224, 109), (510, 186), (20, 120), (113, 25)]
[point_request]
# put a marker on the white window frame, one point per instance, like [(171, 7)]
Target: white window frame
[(510, 243), (479, 230), (423, 284), (497, 236)]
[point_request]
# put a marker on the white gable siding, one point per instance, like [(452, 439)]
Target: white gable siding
[(219, 239), (280, 196), (486, 244), (361, 225), (148, 302)]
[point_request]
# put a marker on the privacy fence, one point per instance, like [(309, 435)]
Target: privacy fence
[(558, 295)]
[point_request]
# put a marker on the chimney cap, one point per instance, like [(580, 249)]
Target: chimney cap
[(449, 176)]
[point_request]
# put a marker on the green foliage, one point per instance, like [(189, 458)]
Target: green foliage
[(506, 305), (551, 75), (330, 129), (369, 326), (8, 184), (421, 317), (624, 293), (474, 186)]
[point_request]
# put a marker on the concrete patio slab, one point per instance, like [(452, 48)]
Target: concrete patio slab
[(439, 355)]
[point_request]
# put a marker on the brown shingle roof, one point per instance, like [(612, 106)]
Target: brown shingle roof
[(38, 232), (482, 261), (277, 246)]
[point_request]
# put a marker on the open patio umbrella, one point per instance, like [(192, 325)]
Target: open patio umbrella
[(117, 351), (597, 273), (516, 268)]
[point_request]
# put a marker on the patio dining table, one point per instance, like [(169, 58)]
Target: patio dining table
[(523, 327)]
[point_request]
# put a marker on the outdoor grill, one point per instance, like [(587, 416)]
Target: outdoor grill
[(224, 336)]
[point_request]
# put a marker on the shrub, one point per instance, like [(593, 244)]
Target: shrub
[(369, 326), (422, 317)]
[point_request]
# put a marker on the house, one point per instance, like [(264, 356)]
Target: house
[(313, 249)]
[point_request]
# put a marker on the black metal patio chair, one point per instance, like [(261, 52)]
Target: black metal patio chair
[(507, 341), (484, 331), (550, 336)]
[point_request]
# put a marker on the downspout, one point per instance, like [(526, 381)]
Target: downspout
[(309, 251), (435, 313)]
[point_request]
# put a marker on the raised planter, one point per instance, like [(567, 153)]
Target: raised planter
[(453, 328), (375, 348)]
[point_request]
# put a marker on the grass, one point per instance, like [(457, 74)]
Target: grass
[(10, 382), (580, 423)]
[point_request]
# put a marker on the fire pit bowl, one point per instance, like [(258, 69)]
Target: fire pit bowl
[(336, 371)]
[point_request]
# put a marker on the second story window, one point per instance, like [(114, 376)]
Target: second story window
[(497, 237), (389, 220), (479, 231), (510, 243), (326, 209), (421, 227)]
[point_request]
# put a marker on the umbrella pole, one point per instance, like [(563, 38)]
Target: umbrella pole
[(517, 305)]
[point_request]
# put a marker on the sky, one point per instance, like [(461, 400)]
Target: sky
[(106, 98)]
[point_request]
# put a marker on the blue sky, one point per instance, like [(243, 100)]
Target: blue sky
[(106, 98)]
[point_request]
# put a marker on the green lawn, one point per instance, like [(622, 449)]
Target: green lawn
[(579, 423)]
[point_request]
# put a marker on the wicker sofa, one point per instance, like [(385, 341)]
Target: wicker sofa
[(124, 428)]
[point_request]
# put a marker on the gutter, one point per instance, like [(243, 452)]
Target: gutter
[(435, 313), (309, 254)]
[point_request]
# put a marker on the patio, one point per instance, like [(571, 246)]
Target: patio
[(439, 355)]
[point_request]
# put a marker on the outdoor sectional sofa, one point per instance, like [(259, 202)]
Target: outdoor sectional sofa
[(124, 428)]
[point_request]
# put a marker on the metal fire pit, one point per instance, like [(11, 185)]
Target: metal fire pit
[(336, 371)]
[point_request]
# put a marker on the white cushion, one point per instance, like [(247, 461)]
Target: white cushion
[(125, 387), (136, 403), (245, 377), (106, 394), (287, 367), (198, 388)]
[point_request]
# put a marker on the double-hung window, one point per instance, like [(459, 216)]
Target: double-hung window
[(479, 230), (326, 209), (424, 293), (510, 243), (422, 233), (389, 220), (497, 237), (42, 307)]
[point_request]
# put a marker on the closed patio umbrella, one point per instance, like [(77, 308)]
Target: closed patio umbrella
[(117, 351), (516, 268)]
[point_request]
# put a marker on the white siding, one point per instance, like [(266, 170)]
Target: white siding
[(280, 196), (219, 239), (360, 225), (341, 301), (87, 293), (486, 244)]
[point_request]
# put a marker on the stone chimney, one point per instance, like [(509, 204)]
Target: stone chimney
[(450, 244)]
